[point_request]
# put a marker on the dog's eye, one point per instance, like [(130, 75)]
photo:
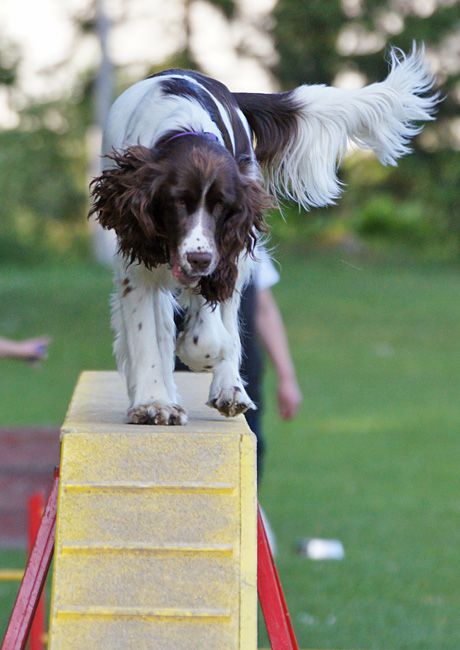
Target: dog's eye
[(180, 204), (218, 209)]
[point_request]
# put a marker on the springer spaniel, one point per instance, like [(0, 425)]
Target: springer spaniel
[(190, 168)]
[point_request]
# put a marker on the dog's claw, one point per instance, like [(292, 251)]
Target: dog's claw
[(231, 402), (158, 413)]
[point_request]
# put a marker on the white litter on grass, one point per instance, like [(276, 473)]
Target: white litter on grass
[(384, 349), (307, 619), (322, 549)]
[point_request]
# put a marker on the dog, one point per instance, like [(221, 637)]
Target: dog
[(189, 170)]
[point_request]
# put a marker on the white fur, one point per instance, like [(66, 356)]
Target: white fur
[(211, 342), (142, 114), (197, 240), (381, 117), (142, 317)]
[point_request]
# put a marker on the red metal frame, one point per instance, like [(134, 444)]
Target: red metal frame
[(36, 508), (271, 597), (34, 576)]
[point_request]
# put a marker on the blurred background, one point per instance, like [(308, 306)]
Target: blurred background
[(369, 291)]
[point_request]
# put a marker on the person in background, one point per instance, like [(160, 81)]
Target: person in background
[(261, 323), (35, 349)]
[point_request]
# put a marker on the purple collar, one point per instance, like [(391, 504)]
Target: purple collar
[(206, 134)]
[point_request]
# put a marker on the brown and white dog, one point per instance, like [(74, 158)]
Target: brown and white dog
[(185, 190)]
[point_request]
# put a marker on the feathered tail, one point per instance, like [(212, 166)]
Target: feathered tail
[(302, 135)]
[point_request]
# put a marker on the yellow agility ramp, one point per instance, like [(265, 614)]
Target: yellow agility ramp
[(156, 527)]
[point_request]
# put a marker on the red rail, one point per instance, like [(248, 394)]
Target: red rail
[(34, 577), (276, 614), (36, 508), (271, 597)]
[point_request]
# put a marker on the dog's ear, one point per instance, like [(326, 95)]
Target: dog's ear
[(240, 230), (124, 191), (236, 232), (250, 218), (123, 197)]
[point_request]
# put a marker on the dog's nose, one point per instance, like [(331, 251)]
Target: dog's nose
[(199, 261)]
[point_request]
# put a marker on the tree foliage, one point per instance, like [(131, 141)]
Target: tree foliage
[(305, 36), (317, 40), (43, 182), (9, 61), (43, 161)]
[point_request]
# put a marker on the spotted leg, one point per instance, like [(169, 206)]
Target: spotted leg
[(142, 319), (210, 342)]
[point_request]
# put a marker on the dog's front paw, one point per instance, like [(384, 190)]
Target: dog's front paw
[(231, 401), (157, 412)]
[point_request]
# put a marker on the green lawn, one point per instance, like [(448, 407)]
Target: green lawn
[(372, 460), (71, 304)]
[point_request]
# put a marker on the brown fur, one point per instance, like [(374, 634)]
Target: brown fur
[(272, 117), (147, 195), (122, 201), (234, 234)]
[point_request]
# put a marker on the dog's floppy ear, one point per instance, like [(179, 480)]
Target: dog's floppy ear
[(254, 200), (235, 233), (249, 220), (123, 197)]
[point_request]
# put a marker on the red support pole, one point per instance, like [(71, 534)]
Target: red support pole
[(34, 577), (36, 507), (271, 598)]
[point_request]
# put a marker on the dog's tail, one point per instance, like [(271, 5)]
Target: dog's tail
[(302, 135)]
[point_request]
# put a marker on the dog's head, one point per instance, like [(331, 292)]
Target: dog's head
[(187, 203)]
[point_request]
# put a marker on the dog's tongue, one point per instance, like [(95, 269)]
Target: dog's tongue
[(180, 275)]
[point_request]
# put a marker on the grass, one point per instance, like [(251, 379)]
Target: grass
[(70, 304), (371, 460), (9, 559)]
